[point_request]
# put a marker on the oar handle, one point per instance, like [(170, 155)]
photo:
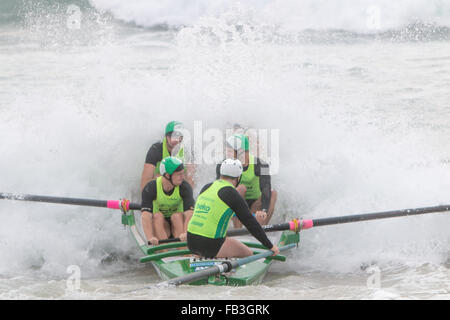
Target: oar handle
[(112, 204)]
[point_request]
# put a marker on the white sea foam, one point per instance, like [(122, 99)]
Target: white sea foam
[(360, 16), (363, 128)]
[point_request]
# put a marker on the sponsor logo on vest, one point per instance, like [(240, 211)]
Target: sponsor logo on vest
[(203, 207)]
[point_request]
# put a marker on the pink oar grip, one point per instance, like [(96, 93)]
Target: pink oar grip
[(307, 224), (304, 224), (292, 225), (113, 204), (117, 204)]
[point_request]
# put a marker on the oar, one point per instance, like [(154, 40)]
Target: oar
[(223, 267), (242, 231), (112, 204), (295, 225)]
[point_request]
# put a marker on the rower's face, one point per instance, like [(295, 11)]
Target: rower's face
[(177, 177), (173, 140)]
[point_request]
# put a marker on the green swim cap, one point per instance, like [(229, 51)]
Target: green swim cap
[(170, 165), (238, 141), (173, 126)]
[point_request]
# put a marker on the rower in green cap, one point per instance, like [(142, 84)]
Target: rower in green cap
[(216, 204), (167, 203), (255, 185), (170, 146)]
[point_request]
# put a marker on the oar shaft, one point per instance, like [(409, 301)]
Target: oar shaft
[(243, 231), (306, 224), (267, 228), (112, 204)]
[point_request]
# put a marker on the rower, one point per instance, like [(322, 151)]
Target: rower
[(215, 205), (167, 203), (170, 146), (255, 185)]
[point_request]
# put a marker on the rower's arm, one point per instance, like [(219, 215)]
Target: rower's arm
[(187, 195), (154, 155), (265, 185), (147, 174), (266, 191), (234, 200), (147, 224), (148, 195)]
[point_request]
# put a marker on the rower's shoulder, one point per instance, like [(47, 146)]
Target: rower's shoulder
[(185, 187), (150, 187), (157, 146), (205, 187), (229, 194), (154, 154)]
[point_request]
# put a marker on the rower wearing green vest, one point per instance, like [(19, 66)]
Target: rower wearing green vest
[(216, 204), (255, 185), (167, 203), (170, 146)]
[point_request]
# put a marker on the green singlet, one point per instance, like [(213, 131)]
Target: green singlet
[(211, 215), (251, 181), (166, 204)]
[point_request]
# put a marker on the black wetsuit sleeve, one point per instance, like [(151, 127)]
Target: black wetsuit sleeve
[(188, 196), (218, 171), (154, 154), (234, 200), (262, 170), (148, 195)]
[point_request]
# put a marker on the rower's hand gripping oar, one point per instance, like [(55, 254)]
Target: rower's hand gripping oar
[(122, 204)]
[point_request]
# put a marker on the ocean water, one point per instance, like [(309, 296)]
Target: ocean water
[(356, 95)]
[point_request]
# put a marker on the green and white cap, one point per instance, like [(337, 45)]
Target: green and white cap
[(170, 165), (238, 142), (174, 127)]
